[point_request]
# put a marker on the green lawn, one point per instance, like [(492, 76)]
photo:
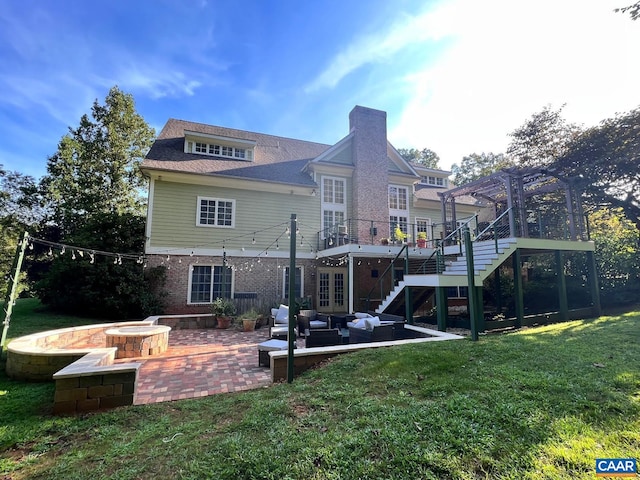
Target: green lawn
[(540, 403)]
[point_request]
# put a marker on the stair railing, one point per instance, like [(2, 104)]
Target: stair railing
[(405, 250), (493, 227), (438, 252)]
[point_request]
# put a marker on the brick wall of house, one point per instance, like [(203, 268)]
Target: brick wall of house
[(371, 176), (249, 276)]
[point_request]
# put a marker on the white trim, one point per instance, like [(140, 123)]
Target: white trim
[(398, 212), (429, 223), (221, 138), (217, 200), (147, 230), (332, 206)]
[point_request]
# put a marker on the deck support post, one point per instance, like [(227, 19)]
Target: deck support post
[(518, 297), (562, 286), (474, 311), (594, 287), (442, 308)]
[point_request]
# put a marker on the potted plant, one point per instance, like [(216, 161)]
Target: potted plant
[(248, 320), (223, 309), (399, 234), (422, 239)]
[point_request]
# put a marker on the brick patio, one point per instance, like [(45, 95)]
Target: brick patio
[(203, 362)]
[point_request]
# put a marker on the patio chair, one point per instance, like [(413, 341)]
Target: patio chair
[(323, 337), (311, 319)]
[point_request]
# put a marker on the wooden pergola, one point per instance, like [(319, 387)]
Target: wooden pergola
[(519, 191)]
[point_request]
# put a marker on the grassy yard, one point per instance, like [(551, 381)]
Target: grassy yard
[(540, 403)]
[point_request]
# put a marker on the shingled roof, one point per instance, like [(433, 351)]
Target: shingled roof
[(276, 159)]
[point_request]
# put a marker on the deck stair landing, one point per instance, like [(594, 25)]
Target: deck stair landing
[(485, 261)]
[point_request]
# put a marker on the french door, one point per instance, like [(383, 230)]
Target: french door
[(332, 290)]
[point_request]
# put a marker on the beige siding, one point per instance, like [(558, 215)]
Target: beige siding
[(344, 156), (173, 222)]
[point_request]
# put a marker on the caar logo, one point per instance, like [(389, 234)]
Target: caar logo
[(616, 467)]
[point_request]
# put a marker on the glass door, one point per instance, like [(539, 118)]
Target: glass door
[(332, 290)]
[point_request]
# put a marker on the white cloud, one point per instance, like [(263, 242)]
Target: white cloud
[(371, 48), (508, 60), (158, 81)]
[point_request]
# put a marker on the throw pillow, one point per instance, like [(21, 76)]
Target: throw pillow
[(283, 314)]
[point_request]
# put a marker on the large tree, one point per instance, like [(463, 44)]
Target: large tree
[(633, 10), (425, 157), (476, 166), (19, 211), (95, 169), (93, 187), (603, 162), (542, 139)]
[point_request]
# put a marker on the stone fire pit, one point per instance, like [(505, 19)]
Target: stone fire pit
[(138, 341)]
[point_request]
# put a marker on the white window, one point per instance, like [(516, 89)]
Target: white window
[(423, 225), (430, 180), (220, 150), (398, 198), (299, 282), (215, 212), (334, 205), (208, 282), (398, 209)]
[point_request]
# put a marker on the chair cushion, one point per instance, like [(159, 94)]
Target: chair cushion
[(318, 324), (282, 316), (359, 323), (371, 323), (362, 315)]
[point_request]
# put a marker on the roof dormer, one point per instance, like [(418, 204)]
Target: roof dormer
[(219, 146)]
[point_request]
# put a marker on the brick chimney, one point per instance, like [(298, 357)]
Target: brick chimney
[(371, 174)]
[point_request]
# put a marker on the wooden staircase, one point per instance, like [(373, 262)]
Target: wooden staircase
[(485, 260)]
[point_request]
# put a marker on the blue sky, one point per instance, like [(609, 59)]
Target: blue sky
[(455, 76)]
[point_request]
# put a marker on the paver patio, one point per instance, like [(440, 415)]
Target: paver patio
[(203, 362)]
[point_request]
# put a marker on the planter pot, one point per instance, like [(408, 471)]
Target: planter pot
[(224, 322), (248, 325), (422, 243)]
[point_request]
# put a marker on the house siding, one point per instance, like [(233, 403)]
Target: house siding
[(173, 219)]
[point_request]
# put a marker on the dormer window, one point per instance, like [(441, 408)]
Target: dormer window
[(214, 145), (431, 180)]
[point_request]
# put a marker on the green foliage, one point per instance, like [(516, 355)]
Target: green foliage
[(223, 307), (19, 212), (617, 256), (541, 403), (476, 166), (104, 289), (95, 169), (542, 139), (93, 187), (425, 157), (603, 163)]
